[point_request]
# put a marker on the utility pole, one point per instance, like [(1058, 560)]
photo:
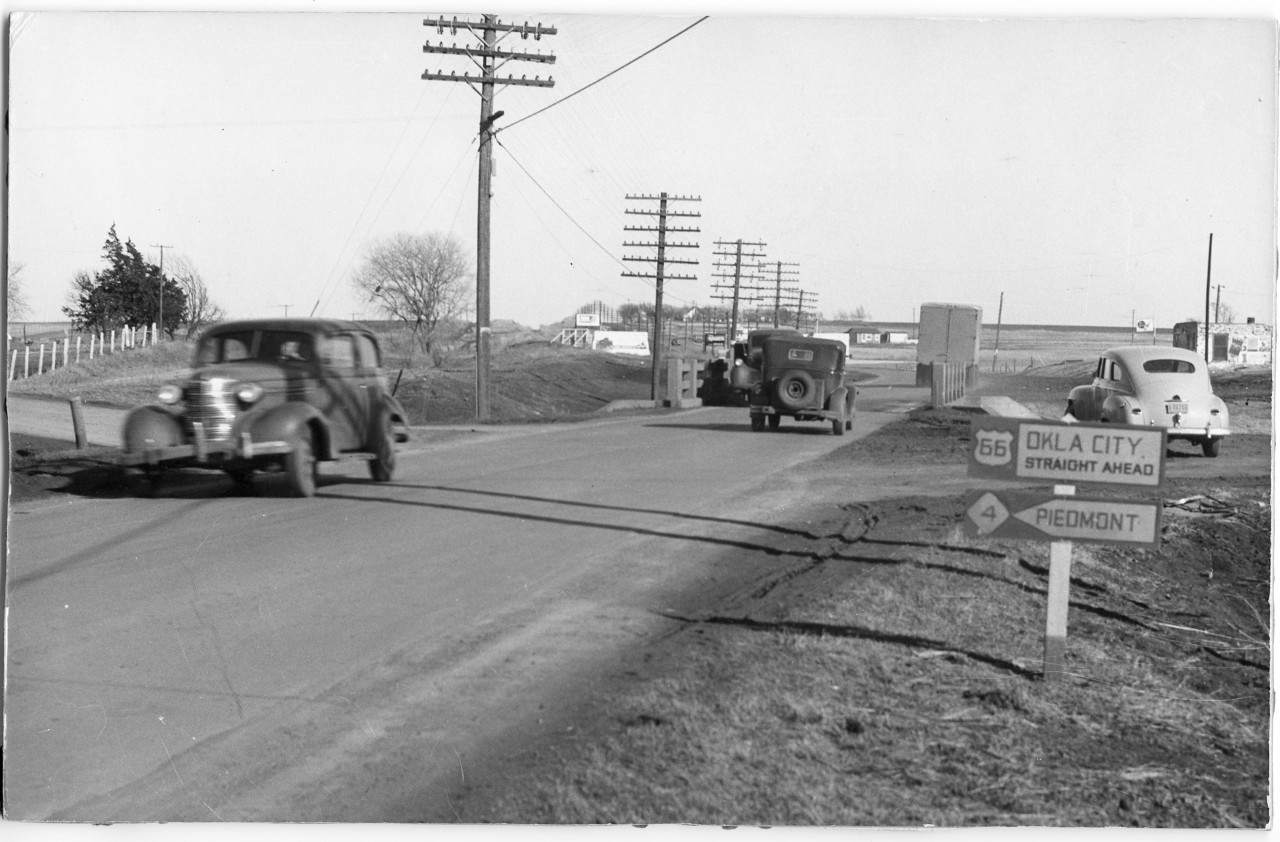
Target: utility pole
[(286, 311), (995, 358), (660, 261), (777, 283), (738, 276), (162, 248), (1207, 288), (1217, 305), (806, 303), (487, 57)]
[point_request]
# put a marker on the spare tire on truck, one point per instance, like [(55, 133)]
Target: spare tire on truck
[(795, 389)]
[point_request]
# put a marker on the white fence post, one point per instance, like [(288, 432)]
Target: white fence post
[(26, 363), (155, 334), (113, 340), (13, 363), (40, 361), (66, 351), (77, 349)]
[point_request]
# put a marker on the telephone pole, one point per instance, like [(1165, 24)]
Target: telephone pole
[(487, 57), (806, 305), (1208, 285), (660, 260), (162, 248), (737, 254), (778, 280)]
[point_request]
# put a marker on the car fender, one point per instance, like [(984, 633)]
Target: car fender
[(1118, 409), (742, 378), (283, 422), (1080, 403), (392, 407), (838, 400), (1224, 415), (151, 427)]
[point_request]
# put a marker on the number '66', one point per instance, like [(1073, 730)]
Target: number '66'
[(995, 448)]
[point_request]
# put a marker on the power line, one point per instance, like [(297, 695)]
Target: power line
[(559, 207), (577, 224), (602, 78), (337, 260)]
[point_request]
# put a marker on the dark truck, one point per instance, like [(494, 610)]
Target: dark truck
[(271, 395), (785, 373)]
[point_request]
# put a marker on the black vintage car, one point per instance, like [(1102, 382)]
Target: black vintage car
[(272, 395), (789, 374)]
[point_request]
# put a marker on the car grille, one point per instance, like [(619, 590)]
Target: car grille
[(212, 403)]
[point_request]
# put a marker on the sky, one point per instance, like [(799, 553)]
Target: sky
[(1075, 167)]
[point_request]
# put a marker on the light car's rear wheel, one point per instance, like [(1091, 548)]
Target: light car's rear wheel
[(383, 464), (300, 466), (1211, 447)]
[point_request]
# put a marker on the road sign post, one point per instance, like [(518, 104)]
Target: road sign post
[(1013, 449), (1059, 599)]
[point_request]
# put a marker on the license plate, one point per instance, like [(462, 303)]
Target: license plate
[(1175, 408)]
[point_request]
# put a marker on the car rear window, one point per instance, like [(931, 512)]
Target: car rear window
[(1165, 366)]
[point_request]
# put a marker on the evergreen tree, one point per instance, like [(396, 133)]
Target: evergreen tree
[(127, 292)]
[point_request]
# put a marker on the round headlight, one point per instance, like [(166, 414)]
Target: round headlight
[(169, 394), (248, 393)]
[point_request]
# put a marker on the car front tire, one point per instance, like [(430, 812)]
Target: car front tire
[(300, 466), (1211, 447), (757, 422)]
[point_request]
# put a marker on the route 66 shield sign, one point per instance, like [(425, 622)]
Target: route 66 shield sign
[(992, 447)]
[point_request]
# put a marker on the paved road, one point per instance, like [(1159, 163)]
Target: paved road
[(206, 656)]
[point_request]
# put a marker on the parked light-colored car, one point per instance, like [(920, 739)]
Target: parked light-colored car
[(1154, 386)]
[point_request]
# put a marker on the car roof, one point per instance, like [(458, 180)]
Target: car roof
[(324, 326), (1134, 356), (804, 340)]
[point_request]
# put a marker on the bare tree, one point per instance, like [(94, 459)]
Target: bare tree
[(15, 296), (418, 279), (201, 308)]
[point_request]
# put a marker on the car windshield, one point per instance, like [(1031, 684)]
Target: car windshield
[(1167, 366), (272, 345)]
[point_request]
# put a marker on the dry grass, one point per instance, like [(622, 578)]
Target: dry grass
[(898, 684), (125, 378)]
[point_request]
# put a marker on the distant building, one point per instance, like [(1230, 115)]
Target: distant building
[(1242, 344), (949, 333)]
